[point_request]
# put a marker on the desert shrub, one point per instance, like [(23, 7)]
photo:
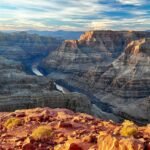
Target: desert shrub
[(42, 132), (12, 122), (128, 128)]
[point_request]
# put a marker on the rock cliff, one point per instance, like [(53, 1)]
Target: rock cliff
[(26, 48), (22, 45), (62, 129), (19, 90), (112, 65), (18, 52), (127, 81), (91, 55)]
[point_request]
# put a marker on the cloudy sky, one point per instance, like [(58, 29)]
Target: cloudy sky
[(74, 14)]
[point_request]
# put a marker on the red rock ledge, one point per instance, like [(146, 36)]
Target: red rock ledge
[(62, 129)]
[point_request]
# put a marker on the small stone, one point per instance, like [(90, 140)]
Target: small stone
[(90, 139), (61, 140), (19, 143), (5, 135), (28, 146), (21, 114), (74, 146), (64, 125)]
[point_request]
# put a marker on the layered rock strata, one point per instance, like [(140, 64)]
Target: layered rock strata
[(19, 90), (111, 65)]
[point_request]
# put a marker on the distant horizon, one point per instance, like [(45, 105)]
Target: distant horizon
[(74, 15), (70, 30)]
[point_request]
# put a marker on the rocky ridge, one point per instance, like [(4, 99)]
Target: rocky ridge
[(26, 48), (62, 129), (23, 45)]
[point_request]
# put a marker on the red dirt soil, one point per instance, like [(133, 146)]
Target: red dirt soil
[(69, 131)]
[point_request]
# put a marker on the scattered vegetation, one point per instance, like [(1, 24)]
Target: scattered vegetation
[(128, 128), (12, 122), (42, 132)]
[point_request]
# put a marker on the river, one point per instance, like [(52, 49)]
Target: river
[(65, 88), (38, 73)]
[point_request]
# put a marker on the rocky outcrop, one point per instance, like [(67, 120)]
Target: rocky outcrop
[(107, 141), (62, 129), (112, 65)]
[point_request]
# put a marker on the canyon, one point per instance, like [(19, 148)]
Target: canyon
[(108, 71), (20, 84), (112, 66), (74, 94)]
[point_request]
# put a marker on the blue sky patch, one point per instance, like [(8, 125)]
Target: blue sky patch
[(74, 15)]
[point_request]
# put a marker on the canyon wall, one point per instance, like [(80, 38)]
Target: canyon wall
[(20, 53), (112, 65)]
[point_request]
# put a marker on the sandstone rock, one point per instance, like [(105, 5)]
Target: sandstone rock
[(64, 125), (74, 146), (80, 136), (28, 146), (107, 141)]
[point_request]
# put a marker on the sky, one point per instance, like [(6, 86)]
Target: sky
[(75, 15)]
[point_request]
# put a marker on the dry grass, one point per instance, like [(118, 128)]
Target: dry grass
[(12, 122), (42, 132), (128, 128)]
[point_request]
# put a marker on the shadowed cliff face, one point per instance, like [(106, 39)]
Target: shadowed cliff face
[(112, 65), (62, 129)]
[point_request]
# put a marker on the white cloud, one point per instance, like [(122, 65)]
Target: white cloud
[(132, 2), (140, 23), (58, 9), (61, 10), (68, 14)]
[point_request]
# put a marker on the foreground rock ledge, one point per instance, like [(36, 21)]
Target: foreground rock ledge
[(65, 130)]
